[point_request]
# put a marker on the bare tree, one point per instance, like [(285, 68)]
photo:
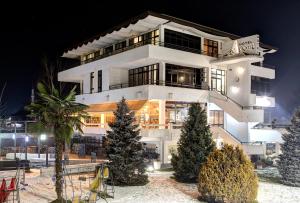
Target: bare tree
[(2, 103)]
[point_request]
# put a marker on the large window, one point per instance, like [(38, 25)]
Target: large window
[(147, 75), (147, 38), (184, 76), (216, 117), (218, 80), (210, 47), (260, 86), (177, 112), (91, 82), (100, 81), (181, 41)]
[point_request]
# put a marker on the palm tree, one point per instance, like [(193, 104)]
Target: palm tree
[(61, 115)]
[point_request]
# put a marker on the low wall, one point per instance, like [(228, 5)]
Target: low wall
[(11, 156), (71, 169)]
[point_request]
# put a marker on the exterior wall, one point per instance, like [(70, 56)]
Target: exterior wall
[(146, 92), (238, 75)]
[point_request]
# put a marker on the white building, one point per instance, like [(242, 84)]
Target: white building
[(162, 64)]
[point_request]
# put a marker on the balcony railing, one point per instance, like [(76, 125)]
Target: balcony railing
[(139, 44), (161, 83), (264, 65)]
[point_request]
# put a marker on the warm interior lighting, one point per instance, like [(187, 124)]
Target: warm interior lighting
[(181, 78)]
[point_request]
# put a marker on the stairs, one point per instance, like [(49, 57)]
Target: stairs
[(237, 111), (219, 132)]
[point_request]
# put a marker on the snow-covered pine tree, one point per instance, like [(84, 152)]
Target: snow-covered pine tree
[(124, 149), (289, 160), (194, 145)]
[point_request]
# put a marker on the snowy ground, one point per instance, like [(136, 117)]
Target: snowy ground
[(161, 188)]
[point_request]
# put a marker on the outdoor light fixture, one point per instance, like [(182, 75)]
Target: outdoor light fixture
[(43, 137), (263, 101), (235, 89), (150, 168), (169, 156), (26, 139), (240, 70)]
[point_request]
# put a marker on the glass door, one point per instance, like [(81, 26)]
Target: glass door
[(218, 80)]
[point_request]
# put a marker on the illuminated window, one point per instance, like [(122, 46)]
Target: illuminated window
[(216, 117), (147, 38), (182, 76), (210, 48)]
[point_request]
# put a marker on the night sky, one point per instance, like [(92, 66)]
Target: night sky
[(29, 32)]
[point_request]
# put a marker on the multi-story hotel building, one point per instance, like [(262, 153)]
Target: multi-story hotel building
[(160, 65)]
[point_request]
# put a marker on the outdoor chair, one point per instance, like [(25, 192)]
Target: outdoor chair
[(4, 192)]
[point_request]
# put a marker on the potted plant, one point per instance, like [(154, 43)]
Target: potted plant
[(156, 161)]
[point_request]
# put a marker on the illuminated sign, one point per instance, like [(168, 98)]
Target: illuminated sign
[(243, 46)]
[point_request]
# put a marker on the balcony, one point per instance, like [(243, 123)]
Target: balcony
[(139, 44), (144, 92), (161, 83)]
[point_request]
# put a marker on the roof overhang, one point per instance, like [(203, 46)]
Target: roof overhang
[(145, 22)]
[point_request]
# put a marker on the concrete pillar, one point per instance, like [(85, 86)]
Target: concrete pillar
[(162, 72), (105, 79), (161, 34), (162, 113)]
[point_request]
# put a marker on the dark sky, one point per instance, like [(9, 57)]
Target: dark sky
[(30, 31)]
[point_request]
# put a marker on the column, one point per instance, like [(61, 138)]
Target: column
[(162, 113)]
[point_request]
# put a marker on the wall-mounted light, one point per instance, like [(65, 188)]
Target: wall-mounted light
[(240, 70), (235, 89)]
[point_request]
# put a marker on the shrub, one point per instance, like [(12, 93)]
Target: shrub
[(228, 176)]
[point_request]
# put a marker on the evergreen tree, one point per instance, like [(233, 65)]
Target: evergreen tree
[(124, 148), (289, 160), (194, 145)]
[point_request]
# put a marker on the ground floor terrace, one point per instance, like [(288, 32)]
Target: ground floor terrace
[(161, 121)]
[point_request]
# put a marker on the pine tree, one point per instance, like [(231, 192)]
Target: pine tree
[(124, 148), (194, 145), (289, 160)]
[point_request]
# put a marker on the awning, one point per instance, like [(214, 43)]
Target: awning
[(109, 107)]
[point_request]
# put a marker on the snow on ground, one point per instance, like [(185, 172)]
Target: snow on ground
[(277, 193), (161, 188)]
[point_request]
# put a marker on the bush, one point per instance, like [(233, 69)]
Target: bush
[(228, 176)]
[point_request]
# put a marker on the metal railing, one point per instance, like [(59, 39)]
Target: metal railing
[(139, 44), (161, 83), (264, 65)]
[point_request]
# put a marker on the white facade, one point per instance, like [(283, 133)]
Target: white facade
[(213, 68)]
